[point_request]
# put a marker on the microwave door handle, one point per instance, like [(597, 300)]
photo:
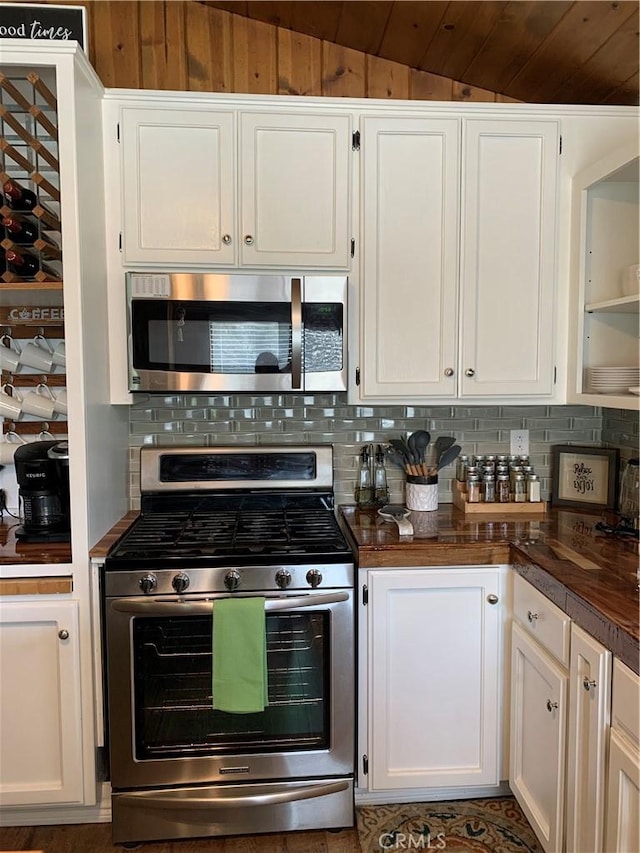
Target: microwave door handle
[(296, 334), (204, 606)]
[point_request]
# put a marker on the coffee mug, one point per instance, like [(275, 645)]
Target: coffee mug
[(59, 358), (8, 447), (60, 403), (9, 354), (10, 402), (37, 354), (45, 435), (39, 402)]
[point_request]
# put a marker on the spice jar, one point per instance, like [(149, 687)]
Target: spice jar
[(503, 494), (461, 468), (488, 489), (519, 489), (473, 489), (533, 488)]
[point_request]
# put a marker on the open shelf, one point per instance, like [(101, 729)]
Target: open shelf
[(621, 305)]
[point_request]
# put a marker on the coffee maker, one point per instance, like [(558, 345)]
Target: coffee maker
[(42, 471)]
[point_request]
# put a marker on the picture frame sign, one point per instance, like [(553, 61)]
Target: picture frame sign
[(37, 21), (584, 477)]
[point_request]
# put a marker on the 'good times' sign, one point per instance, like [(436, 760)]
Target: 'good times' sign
[(37, 21)]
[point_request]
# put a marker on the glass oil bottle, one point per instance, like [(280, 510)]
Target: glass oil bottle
[(380, 486), (364, 493)]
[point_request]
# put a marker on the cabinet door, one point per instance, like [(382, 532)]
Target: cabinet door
[(178, 186), (434, 675), (409, 256), (508, 257), (538, 721), (589, 704), (40, 718), (623, 796), (294, 190)]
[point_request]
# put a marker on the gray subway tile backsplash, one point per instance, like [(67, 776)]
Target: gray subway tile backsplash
[(209, 420)]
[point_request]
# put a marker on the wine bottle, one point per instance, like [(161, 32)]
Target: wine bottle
[(27, 265), (23, 232), (18, 197)]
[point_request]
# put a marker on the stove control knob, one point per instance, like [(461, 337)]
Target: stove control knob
[(314, 577), (180, 582), (283, 578), (147, 583), (232, 580)]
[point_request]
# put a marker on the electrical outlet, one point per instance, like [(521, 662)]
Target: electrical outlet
[(519, 442)]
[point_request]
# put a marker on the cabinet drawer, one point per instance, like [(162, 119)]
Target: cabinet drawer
[(625, 705), (542, 619)]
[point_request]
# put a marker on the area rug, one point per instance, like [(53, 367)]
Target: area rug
[(491, 825)]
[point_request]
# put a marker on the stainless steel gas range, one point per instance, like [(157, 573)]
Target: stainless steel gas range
[(216, 523)]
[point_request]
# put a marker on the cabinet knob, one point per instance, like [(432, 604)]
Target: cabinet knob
[(469, 372), (492, 599), (63, 634), (588, 684), (531, 616), (248, 239), (551, 706), (226, 239), (449, 371)]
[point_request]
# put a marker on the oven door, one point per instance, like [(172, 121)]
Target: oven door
[(162, 726)]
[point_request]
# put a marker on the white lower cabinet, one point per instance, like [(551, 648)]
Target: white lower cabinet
[(588, 730), (40, 712), (539, 679), (622, 832), (430, 651)]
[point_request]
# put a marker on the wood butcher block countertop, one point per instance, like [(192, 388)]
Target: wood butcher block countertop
[(591, 576)]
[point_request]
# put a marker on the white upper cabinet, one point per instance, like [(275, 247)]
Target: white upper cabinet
[(605, 294), (409, 255), (178, 173), (221, 187), (458, 258), (508, 258), (294, 189)]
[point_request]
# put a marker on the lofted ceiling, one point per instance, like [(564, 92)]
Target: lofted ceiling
[(541, 52)]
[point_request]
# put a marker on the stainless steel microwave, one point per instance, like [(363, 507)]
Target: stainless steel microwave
[(202, 332)]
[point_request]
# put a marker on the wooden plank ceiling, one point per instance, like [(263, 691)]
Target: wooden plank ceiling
[(540, 52)]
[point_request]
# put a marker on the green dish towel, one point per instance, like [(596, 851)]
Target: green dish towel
[(239, 655)]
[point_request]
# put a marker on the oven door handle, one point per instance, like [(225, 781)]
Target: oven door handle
[(204, 606), (181, 801)]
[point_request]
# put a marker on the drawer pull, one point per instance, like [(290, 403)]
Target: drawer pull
[(492, 599), (531, 616), (63, 634), (588, 684), (551, 706)]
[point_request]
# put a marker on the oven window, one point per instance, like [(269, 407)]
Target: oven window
[(174, 716)]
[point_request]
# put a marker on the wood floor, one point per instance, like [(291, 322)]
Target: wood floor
[(96, 838)]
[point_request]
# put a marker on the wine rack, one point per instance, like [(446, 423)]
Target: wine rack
[(29, 156)]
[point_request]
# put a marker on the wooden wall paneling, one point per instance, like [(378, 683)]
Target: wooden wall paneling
[(461, 34), (514, 38), (608, 60), (386, 79), (462, 92), (343, 71), (209, 49), (573, 41), (362, 24), (254, 56), (163, 45), (409, 30), (117, 43), (299, 64), (429, 87)]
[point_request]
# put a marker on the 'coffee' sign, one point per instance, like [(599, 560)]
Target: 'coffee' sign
[(37, 21)]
